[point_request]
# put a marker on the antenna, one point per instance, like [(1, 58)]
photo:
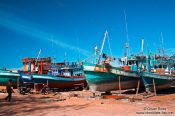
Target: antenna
[(127, 38)]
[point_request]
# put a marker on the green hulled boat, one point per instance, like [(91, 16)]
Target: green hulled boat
[(161, 81), (5, 75), (105, 78), (160, 72)]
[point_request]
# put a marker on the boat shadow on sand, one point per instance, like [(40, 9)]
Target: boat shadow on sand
[(29, 104), (166, 91), (142, 91)]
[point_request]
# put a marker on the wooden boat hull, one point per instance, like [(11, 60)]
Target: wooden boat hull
[(161, 81), (60, 82), (103, 82), (6, 75), (25, 78), (107, 81)]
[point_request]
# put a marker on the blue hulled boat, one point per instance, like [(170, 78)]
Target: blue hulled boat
[(5, 75), (59, 75)]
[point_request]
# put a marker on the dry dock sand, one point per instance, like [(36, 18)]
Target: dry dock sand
[(79, 103)]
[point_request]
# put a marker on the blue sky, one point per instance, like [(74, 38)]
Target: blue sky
[(76, 26)]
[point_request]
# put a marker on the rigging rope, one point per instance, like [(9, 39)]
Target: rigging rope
[(91, 56)]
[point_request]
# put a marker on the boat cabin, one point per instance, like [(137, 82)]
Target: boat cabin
[(37, 65), (68, 69)]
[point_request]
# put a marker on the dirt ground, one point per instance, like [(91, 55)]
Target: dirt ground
[(81, 103)]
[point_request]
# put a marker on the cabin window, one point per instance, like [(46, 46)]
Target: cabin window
[(160, 66)]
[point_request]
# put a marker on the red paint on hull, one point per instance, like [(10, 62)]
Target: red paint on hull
[(68, 84)]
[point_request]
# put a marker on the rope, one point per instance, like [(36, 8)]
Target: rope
[(91, 56)]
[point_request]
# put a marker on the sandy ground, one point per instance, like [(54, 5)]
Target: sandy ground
[(80, 103)]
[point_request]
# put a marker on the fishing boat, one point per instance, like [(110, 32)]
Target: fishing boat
[(104, 77), (25, 79), (161, 81), (57, 75), (5, 75), (69, 76), (159, 74)]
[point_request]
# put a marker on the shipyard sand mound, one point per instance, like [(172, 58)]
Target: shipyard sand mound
[(80, 103)]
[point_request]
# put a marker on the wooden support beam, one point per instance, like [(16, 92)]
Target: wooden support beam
[(17, 83), (34, 86), (138, 86), (47, 83), (154, 87), (119, 85)]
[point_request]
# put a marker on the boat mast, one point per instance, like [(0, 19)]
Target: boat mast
[(38, 55), (37, 59), (142, 48), (65, 57), (77, 42), (54, 58), (163, 50), (105, 35), (127, 38)]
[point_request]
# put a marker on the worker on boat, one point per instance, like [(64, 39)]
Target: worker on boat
[(9, 90)]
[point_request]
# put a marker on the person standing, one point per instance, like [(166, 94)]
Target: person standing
[(9, 90), (44, 89)]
